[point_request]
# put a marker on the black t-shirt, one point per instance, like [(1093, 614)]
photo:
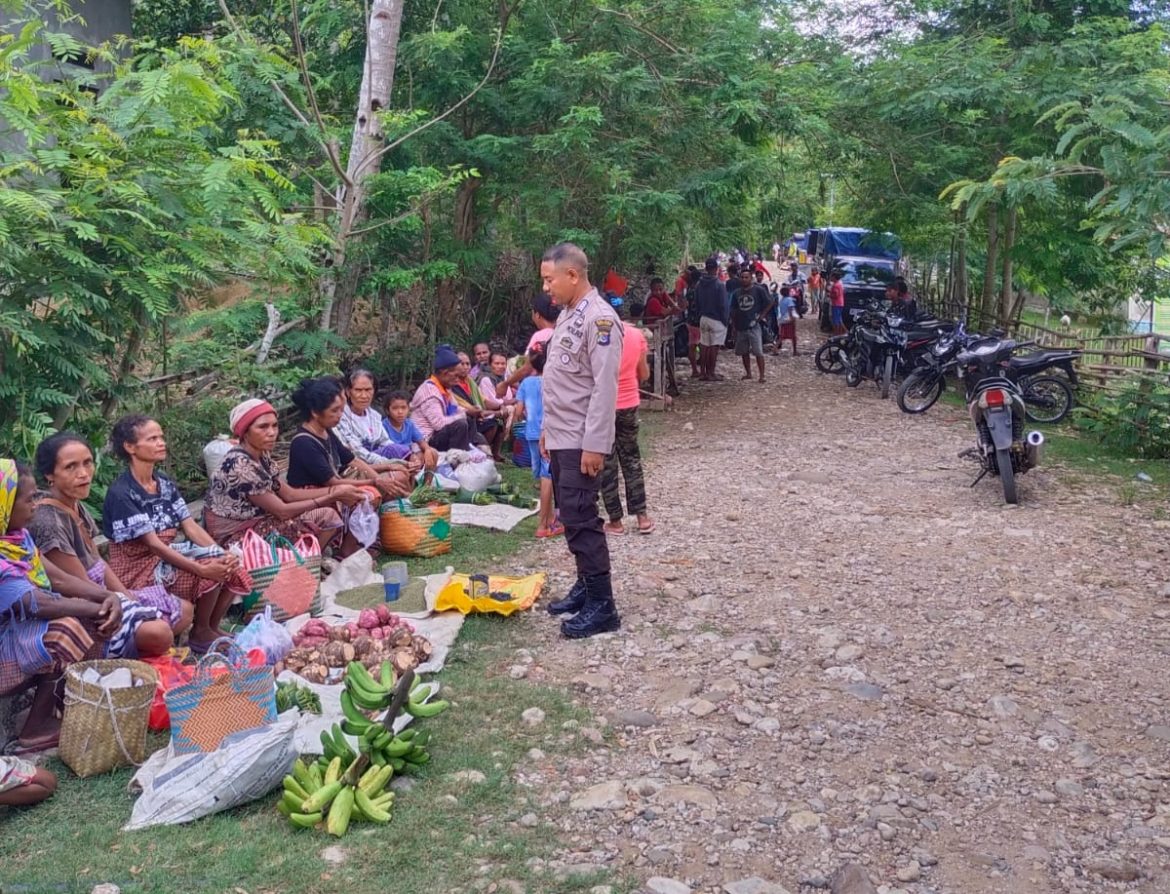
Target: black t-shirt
[(747, 305), (130, 512), (313, 461)]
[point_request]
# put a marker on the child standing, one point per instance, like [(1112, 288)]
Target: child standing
[(787, 320), (403, 430), (530, 395)]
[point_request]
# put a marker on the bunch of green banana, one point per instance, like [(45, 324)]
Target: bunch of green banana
[(311, 797), (292, 695), (364, 691)]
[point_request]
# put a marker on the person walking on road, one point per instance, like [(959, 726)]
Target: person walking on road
[(711, 298), (626, 455), (580, 399)]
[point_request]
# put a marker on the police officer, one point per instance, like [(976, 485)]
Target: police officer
[(580, 399)]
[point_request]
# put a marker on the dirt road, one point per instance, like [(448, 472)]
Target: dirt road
[(835, 651)]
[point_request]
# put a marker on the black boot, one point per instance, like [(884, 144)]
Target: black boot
[(572, 603), (599, 615)]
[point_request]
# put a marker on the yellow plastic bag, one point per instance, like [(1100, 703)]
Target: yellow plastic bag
[(523, 590)]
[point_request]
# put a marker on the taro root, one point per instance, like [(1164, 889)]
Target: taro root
[(363, 646), (422, 648), (399, 638), (315, 673), (338, 654), (403, 660)]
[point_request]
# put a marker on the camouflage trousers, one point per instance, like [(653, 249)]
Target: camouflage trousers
[(628, 458)]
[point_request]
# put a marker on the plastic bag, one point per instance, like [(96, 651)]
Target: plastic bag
[(475, 476), (178, 788), (267, 635), (363, 523), (171, 673)]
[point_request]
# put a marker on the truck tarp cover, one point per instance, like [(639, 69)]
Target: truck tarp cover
[(861, 243)]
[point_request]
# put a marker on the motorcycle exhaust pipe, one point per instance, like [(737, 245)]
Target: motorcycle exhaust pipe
[(1033, 448)]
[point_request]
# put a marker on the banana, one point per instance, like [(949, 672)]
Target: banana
[(354, 729), (283, 809), (407, 734), (422, 738), (418, 681), (397, 747), (363, 698), (430, 709), (300, 772), (334, 771), (357, 673), (374, 786), (316, 777), (371, 772), (327, 745), (384, 800), (291, 785), (321, 798), (418, 759), (368, 809), (340, 812), (387, 677), (292, 802), (377, 759), (382, 739), (341, 747), (304, 820), (351, 712), (397, 763)]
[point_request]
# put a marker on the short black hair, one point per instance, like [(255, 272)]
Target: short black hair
[(125, 431), (711, 264), (657, 281), (45, 459), (536, 360), (396, 395), (315, 396)]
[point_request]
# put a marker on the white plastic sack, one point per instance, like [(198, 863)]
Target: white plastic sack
[(215, 451), (475, 477), (246, 766), (363, 523), (266, 634)]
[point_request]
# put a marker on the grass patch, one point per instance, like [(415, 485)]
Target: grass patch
[(445, 834)]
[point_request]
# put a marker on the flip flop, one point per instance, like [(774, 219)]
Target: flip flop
[(647, 529)]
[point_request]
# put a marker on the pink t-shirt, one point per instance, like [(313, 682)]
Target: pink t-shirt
[(539, 337), (634, 348)]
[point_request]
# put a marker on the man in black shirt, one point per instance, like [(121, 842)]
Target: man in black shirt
[(750, 304), (711, 304)]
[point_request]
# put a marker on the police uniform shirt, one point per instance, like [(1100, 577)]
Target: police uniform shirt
[(582, 361)]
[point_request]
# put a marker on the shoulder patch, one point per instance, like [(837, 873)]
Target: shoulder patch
[(604, 330)]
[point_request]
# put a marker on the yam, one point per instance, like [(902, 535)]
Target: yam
[(363, 646), (315, 673), (403, 660)]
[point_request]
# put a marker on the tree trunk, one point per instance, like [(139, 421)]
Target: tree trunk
[(990, 268), (466, 221), (1007, 295), (382, 35), (961, 284)]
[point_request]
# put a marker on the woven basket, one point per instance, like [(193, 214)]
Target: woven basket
[(290, 588), (405, 530), (105, 728), (213, 706)]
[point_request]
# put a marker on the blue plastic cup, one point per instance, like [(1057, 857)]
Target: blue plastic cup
[(394, 578)]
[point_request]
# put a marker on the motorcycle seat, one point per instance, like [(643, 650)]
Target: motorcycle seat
[(1041, 359)]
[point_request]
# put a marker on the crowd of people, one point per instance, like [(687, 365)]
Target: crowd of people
[(168, 575)]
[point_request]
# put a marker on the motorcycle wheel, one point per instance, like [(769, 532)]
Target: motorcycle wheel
[(828, 359), (920, 390), (1047, 399), (887, 377), (852, 378), (1007, 475)]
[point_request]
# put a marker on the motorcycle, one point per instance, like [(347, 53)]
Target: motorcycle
[(872, 352), (996, 405), (1047, 399)]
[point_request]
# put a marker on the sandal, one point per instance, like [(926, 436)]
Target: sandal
[(616, 532), (555, 531), (647, 528)]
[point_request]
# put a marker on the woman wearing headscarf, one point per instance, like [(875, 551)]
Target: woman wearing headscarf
[(247, 492), (49, 619), (143, 515)]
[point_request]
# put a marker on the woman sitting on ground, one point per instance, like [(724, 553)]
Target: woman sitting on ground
[(502, 407), (246, 492), (444, 423), (142, 517), (50, 619), (64, 531), (361, 428), (316, 456), (468, 399)]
